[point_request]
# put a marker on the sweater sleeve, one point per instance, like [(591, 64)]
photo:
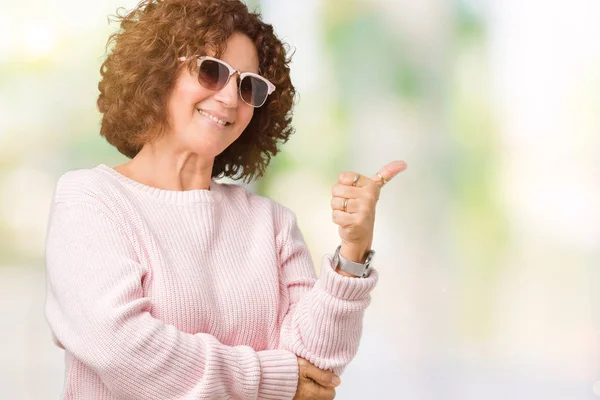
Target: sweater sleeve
[(97, 310), (323, 323)]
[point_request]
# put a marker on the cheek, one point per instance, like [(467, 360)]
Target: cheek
[(182, 106), (245, 114), (189, 92)]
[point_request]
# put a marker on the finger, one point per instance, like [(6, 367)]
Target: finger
[(352, 179), (343, 219), (312, 390), (370, 194), (324, 393), (323, 377), (345, 191), (352, 205), (389, 171)]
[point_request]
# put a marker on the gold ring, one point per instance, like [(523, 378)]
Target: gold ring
[(356, 177), (382, 178), (345, 205)]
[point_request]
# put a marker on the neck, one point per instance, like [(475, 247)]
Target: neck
[(153, 166)]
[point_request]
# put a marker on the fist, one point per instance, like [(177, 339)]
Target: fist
[(315, 383), (354, 199)]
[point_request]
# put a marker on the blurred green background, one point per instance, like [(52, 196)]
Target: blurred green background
[(488, 246)]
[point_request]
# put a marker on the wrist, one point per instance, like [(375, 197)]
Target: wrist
[(355, 253)]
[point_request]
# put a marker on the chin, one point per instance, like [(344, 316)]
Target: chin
[(206, 149)]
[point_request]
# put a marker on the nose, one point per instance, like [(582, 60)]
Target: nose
[(228, 95)]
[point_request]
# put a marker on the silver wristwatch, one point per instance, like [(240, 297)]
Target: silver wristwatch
[(351, 267)]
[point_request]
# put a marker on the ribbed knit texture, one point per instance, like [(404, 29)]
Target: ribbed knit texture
[(200, 294)]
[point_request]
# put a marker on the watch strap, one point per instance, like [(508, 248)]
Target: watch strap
[(351, 267)]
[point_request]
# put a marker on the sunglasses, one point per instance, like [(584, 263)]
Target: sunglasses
[(214, 74)]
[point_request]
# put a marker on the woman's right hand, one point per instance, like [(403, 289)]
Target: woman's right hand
[(315, 383)]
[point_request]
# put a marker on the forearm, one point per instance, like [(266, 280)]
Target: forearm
[(141, 357), (325, 325), (323, 320)]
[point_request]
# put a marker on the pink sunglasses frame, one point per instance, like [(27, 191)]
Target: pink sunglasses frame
[(242, 75)]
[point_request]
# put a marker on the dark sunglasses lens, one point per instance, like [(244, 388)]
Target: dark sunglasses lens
[(253, 91), (212, 74)]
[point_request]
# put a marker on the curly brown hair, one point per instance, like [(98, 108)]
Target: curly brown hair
[(140, 71)]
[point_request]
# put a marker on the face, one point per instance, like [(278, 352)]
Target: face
[(193, 109)]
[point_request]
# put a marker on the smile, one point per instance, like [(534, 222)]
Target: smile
[(213, 118)]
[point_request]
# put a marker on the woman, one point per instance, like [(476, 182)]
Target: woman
[(163, 283)]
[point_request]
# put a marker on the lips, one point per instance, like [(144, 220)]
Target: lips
[(215, 117)]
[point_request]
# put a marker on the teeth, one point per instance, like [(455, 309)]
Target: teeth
[(217, 120)]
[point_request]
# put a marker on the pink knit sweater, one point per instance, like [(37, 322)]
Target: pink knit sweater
[(158, 294)]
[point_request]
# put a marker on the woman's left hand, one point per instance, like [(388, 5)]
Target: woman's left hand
[(354, 200)]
